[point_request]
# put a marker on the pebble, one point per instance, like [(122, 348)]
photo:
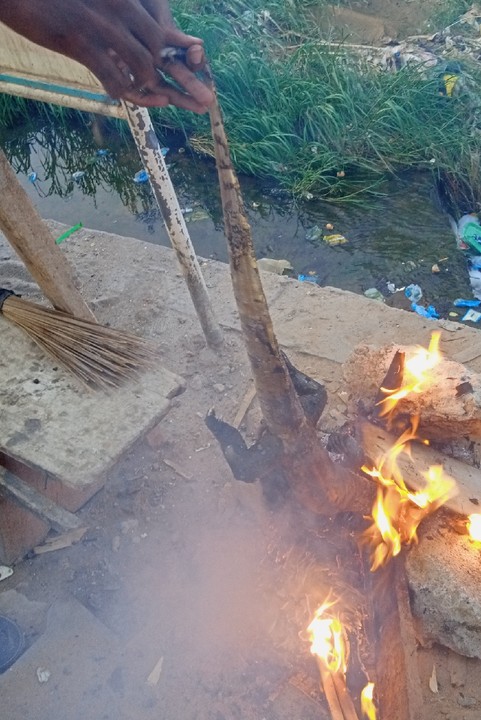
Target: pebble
[(196, 382), (127, 525), (43, 675), (466, 700)]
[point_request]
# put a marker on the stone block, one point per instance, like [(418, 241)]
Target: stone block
[(444, 572)]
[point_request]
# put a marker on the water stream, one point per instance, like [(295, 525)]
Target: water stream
[(396, 239)]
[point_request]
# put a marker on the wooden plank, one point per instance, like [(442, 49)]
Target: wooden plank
[(26, 232), (398, 682), (376, 443), (30, 499)]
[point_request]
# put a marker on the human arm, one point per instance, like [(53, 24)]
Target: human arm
[(121, 42)]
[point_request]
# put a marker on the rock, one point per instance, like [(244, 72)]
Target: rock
[(466, 700), (218, 387), (196, 382), (155, 438), (443, 577), (449, 405), (127, 525)]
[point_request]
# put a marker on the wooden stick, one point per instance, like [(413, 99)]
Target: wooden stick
[(244, 406), (345, 700), (149, 150), (329, 688), (27, 234)]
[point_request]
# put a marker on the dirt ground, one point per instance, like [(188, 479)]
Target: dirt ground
[(183, 568), (376, 20)]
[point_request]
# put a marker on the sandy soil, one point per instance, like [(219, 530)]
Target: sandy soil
[(369, 21), (182, 563)]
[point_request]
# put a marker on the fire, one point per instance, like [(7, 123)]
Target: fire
[(327, 640), (367, 702), (398, 512), (474, 527), (390, 543), (415, 376)]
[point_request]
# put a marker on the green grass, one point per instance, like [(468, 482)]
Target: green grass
[(309, 116)]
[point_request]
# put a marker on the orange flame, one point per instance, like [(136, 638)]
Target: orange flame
[(367, 703), (474, 527), (398, 512), (327, 640), (415, 376)]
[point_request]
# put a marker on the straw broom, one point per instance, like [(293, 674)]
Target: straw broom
[(100, 357)]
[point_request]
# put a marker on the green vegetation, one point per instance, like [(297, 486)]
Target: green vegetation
[(310, 116)]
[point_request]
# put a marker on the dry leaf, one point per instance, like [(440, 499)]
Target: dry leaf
[(433, 681)]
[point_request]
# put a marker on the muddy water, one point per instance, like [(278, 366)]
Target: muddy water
[(394, 239)]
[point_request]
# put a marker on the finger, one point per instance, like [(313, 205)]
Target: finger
[(136, 58), (175, 97), (115, 82), (195, 58), (146, 100), (188, 81), (174, 36)]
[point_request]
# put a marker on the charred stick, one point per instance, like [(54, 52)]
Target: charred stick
[(329, 688)]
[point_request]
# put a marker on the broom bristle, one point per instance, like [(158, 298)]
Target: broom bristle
[(99, 356)]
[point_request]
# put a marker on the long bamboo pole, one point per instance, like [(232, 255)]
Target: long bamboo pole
[(150, 152), (28, 235)]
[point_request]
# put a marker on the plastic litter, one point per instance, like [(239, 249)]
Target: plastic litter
[(314, 234), (469, 232), (459, 302), (275, 266), (164, 151), (472, 315), (43, 675), (141, 177), (374, 294), (475, 280), (414, 293), (5, 572), (78, 175), (309, 278), (68, 233), (196, 215), (102, 153), (336, 239), (31, 177), (429, 312)]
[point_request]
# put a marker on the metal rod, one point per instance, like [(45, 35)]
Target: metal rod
[(150, 152)]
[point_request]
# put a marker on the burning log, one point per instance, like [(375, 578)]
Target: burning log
[(445, 395), (398, 684), (330, 649), (312, 475)]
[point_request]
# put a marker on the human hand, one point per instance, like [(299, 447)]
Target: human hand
[(123, 42)]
